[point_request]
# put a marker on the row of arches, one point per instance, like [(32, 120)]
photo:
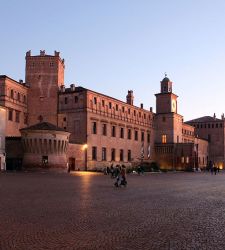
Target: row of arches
[(45, 146)]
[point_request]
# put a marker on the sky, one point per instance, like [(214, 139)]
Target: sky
[(112, 46)]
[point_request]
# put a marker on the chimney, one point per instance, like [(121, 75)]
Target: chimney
[(222, 116), (130, 97), (62, 88), (214, 115), (20, 81), (56, 53), (72, 87), (42, 52), (151, 109), (142, 105)]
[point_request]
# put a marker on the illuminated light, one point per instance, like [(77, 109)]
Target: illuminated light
[(85, 146), (220, 166)]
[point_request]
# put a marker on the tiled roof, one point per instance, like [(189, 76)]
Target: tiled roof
[(204, 119), (43, 126)]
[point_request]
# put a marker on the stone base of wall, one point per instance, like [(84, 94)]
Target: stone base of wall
[(35, 161)]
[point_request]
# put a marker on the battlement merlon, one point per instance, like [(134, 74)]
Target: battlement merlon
[(42, 54)]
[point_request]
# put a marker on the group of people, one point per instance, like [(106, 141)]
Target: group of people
[(213, 168), (119, 173)]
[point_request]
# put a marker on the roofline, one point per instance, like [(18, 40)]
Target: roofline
[(85, 89), (168, 93), (194, 120), (7, 77)]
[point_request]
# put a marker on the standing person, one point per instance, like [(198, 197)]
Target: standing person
[(123, 176), (68, 167), (211, 167), (118, 176), (112, 171), (214, 168)]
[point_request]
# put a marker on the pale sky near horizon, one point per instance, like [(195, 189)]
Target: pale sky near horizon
[(111, 46)]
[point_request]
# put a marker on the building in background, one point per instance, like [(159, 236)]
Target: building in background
[(2, 137), (89, 130)]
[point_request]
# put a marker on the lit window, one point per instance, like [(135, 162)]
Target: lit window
[(163, 138)]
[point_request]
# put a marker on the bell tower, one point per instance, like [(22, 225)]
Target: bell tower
[(44, 74), (169, 122), (166, 101)]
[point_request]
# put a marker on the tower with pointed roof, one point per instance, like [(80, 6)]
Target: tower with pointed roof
[(169, 122)]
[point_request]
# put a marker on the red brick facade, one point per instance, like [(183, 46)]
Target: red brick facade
[(104, 130)]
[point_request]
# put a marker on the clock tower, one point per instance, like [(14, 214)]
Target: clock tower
[(168, 121), (166, 101)]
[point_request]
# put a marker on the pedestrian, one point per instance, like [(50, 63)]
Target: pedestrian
[(68, 167), (214, 168), (112, 171), (123, 176), (211, 167)]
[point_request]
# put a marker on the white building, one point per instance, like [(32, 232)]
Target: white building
[(2, 137)]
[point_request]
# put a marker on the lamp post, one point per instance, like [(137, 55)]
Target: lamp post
[(85, 146)]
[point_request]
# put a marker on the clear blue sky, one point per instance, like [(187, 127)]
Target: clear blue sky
[(111, 46)]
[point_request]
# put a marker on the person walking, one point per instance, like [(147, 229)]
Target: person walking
[(214, 168)]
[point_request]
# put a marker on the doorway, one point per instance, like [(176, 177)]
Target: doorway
[(72, 164)]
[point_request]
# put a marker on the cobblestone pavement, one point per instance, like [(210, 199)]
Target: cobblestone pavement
[(85, 211)]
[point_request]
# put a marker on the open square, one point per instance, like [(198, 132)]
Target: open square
[(82, 210)]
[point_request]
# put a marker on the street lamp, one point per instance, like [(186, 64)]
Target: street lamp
[(84, 148)]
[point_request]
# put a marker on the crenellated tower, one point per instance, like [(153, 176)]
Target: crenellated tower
[(44, 74)]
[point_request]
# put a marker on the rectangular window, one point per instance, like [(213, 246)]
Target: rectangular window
[(11, 94), (104, 154), (136, 135), (121, 132), (10, 115), (25, 118), (129, 155), (163, 138), (76, 99), (94, 128), (110, 105), (116, 107), (129, 134), (94, 153), (66, 100), (17, 116), (95, 100), (113, 131), (121, 154), (104, 129), (113, 154), (103, 103), (148, 136), (123, 109), (142, 136)]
